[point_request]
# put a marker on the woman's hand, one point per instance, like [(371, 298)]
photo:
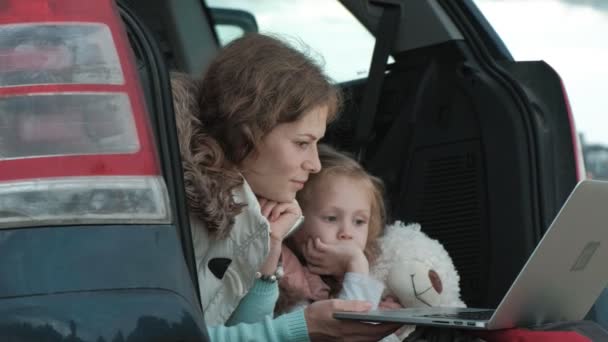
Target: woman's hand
[(335, 258), (390, 303), (282, 217), (323, 327)]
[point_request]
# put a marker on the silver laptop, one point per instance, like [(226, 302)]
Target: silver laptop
[(560, 281)]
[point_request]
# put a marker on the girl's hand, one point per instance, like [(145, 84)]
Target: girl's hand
[(282, 217), (323, 327), (335, 258)]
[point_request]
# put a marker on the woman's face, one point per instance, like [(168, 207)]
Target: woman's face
[(280, 164)]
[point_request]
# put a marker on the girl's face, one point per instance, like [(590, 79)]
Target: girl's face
[(338, 208), (280, 164)]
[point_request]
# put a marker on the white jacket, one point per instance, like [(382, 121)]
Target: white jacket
[(246, 246)]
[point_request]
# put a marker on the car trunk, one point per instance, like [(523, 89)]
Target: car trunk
[(475, 147)]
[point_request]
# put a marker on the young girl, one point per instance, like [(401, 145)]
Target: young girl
[(344, 215)]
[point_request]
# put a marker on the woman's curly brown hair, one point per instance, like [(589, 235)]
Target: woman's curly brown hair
[(202, 161), (255, 83)]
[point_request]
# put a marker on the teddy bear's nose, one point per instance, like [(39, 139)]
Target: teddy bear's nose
[(436, 281)]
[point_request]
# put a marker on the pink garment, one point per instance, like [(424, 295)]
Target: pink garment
[(299, 281), (298, 278)]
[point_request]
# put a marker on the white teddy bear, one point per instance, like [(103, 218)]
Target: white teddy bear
[(416, 270)]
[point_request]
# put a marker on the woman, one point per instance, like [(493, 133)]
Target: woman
[(246, 152)]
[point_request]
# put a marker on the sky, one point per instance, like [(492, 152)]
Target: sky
[(324, 28), (570, 35)]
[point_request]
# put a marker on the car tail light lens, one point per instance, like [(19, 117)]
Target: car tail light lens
[(83, 200), (576, 142), (75, 139), (58, 53), (65, 124)]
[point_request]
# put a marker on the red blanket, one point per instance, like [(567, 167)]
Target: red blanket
[(525, 335)]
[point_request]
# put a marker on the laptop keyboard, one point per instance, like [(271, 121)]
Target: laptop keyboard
[(472, 315)]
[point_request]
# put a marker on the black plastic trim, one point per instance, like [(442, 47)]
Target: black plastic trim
[(459, 12), (163, 122), (491, 39)]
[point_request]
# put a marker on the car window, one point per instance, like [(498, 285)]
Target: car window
[(333, 36), (570, 36)]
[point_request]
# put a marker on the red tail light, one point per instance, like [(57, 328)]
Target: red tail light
[(75, 141), (576, 142)]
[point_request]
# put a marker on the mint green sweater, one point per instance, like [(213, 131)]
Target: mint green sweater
[(252, 320)]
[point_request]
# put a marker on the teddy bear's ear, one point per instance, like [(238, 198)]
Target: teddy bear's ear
[(436, 281)]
